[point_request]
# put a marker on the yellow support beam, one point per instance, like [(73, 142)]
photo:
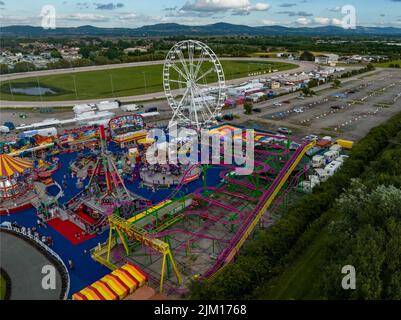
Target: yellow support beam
[(141, 235)]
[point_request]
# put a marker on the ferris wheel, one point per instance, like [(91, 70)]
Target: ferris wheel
[(194, 84)]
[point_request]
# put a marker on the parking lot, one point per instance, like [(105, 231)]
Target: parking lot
[(346, 112)]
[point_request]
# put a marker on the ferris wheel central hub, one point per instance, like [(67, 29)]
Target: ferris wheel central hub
[(194, 82)]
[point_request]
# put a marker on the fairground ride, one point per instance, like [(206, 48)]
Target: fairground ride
[(194, 83)]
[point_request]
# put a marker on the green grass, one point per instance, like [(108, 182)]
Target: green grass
[(3, 287), (126, 81), (300, 280), (387, 64)]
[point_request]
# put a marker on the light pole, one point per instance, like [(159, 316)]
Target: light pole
[(75, 86), (40, 91), (112, 86), (11, 90), (144, 77)]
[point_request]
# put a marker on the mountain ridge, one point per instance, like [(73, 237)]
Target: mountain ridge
[(175, 29)]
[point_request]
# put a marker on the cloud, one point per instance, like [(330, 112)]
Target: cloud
[(322, 21), (83, 5), (303, 21), (296, 13), (90, 17), (269, 22), (109, 6), (210, 7), (287, 5), (2, 3), (335, 9)]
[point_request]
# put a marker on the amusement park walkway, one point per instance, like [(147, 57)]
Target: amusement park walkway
[(86, 270)]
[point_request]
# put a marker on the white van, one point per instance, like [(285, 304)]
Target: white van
[(129, 107), (4, 129)]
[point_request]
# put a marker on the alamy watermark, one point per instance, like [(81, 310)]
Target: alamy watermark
[(187, 147), (348, 282), (49, 17), (49, 278)]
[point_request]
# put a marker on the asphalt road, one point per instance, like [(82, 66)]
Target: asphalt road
[(304, 66), (24, 263)]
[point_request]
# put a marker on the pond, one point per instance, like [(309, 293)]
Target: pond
[(33, 91)]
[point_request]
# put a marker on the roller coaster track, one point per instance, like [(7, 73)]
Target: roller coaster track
[(252, 220)]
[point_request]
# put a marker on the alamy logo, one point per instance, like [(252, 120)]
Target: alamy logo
[(49, 279), (349, 280), (183, 147), (349, 19), (48, 15)]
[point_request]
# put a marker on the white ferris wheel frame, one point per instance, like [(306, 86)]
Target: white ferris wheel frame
[(192, 94)]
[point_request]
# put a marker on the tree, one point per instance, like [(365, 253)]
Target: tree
[(24, 67), (113, 54), (248, 106), (4, 68), (306, 91), (307, 56), (55, 54), (85, 52), (336, 83)]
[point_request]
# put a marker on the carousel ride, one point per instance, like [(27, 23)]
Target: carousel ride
[(16, 189)]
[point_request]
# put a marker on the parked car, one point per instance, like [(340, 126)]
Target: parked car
[(10, 125), (311, 137), (257, 110), (151, 109), (284, 130), (228, 117), (294, 146)]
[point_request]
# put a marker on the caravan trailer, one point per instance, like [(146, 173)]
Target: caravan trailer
[(318, 161), (332, 168), (330, 156)]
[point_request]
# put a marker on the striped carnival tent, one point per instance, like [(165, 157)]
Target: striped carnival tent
[(10, 188), (10, 166), (114, 286)]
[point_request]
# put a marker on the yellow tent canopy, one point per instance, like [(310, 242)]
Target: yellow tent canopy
[(10, 166)]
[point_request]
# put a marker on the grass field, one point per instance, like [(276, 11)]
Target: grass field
[(126, 81), (387, 64)]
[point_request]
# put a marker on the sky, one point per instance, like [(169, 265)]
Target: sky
[(136, 13)]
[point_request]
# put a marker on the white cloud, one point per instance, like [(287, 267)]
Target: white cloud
[(303, 21), (90, 17), (322, 21), (336, 22), (210, 7), (269, 22)]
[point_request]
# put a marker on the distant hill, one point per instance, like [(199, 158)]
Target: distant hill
[(173, 29)]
